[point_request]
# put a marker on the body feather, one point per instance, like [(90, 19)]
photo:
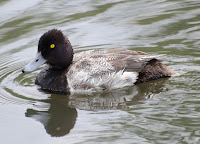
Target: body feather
[(96, 70)]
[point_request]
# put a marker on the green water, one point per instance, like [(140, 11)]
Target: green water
[(161, 111)]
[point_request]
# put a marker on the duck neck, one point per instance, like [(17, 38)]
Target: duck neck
[(69, 54)]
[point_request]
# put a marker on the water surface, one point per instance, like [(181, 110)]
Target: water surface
[(160, 111)]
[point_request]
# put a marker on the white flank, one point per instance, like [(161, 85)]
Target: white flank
[(81, 81)]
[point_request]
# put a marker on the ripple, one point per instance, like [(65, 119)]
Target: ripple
[(17, 88), (13, 7), (163, 111)]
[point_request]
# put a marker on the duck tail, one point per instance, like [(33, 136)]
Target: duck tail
[(155, 69)]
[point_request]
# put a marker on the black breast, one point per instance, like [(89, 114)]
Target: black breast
[(53, 80)]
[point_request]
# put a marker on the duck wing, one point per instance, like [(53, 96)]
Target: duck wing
[(132, 62), (106, 69), (116, 59)]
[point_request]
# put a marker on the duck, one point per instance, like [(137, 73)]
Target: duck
[(91, 70)]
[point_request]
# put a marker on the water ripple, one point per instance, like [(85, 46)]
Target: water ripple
[(163, 111)]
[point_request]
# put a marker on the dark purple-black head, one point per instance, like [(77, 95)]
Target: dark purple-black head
[(54, 49)]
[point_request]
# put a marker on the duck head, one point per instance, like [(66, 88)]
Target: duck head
[(54, 49)]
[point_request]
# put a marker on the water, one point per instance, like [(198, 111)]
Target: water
[(160, 111)]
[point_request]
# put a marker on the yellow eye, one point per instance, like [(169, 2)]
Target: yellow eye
[(52, 46)]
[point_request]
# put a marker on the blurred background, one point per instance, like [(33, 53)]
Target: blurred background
[(160, 111)]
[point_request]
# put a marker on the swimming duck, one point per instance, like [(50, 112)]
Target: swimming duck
[(92, 70)]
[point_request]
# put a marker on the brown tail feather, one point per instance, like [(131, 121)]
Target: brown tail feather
[(154, 69)]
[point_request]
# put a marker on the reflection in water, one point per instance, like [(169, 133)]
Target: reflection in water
[(169, 27), (117, 99), (60, 118)]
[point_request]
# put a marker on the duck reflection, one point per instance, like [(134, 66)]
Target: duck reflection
[(59, 119), (117, 99), (61, 116)]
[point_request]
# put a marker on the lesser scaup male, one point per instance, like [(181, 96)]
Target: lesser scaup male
[(91, 70)]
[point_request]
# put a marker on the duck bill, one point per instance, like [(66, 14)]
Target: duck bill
[(36, 63)]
